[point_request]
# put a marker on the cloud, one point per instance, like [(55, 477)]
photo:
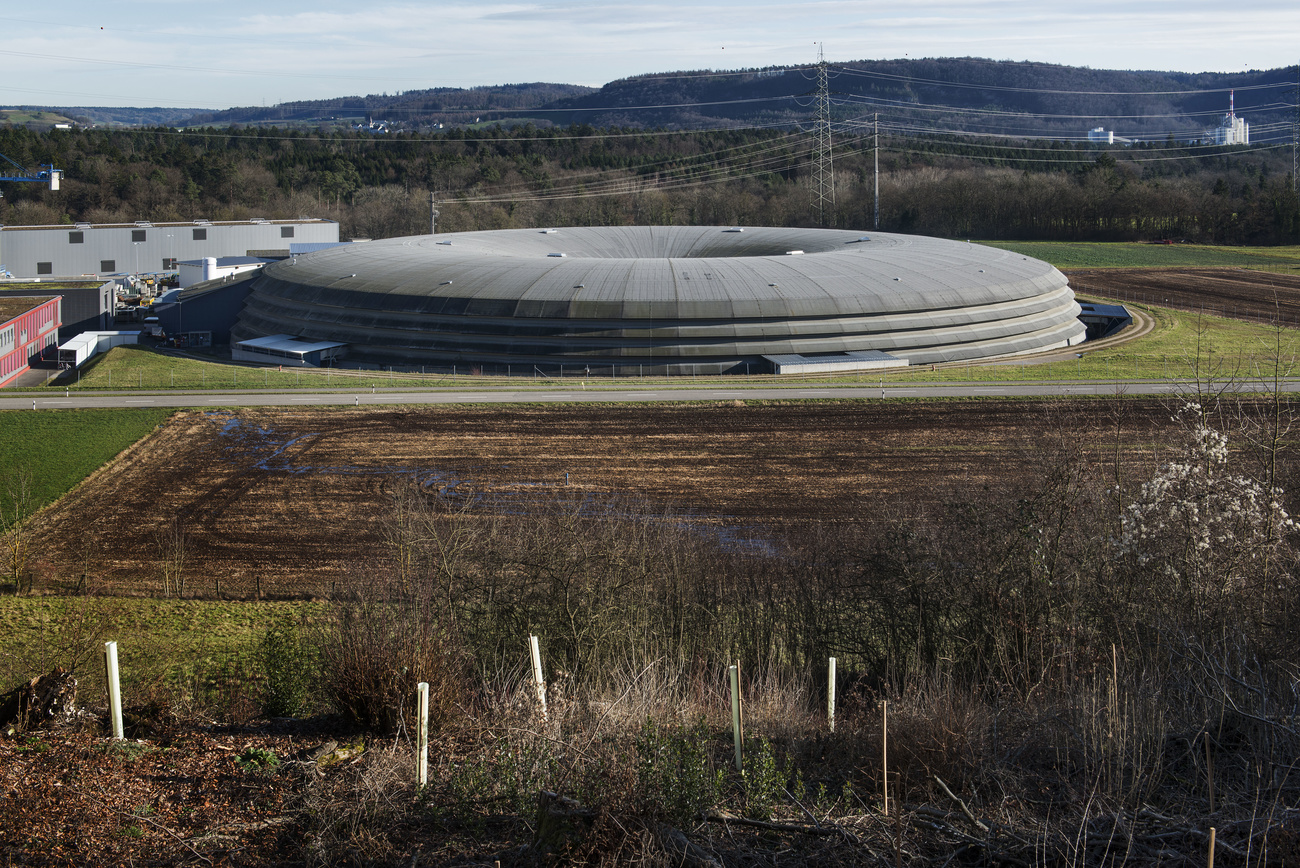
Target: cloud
[(244, 52)]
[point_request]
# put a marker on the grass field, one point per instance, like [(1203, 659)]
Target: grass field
[(1182, 345), (1067, 254), (140, 367), (62, 447), (190, 644), (32, 116)]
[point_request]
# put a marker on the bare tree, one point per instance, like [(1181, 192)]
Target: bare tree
[(173, 545), (16, 506)]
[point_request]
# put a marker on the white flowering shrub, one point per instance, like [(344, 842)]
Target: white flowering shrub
[(1200, 526)]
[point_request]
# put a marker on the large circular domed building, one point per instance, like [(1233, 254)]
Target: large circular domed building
[(656, 299)]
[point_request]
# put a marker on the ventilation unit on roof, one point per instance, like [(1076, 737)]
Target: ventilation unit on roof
[(558, 255), (735, 229), (794, 253), (549, 231)]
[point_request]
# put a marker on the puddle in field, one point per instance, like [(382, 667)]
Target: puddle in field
[(272, 451)]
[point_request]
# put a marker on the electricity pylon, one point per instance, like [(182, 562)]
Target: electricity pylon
[(823, 182)]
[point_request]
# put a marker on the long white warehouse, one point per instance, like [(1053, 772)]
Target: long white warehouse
[(103, 249)]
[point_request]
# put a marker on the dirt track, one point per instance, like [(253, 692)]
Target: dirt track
[(294, 498)]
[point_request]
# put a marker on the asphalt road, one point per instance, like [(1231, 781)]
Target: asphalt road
[(234, 398)]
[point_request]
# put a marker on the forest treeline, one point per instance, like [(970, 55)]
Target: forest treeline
[(380, 186)]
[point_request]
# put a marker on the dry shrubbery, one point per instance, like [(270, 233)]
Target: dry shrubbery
[(382, 643)]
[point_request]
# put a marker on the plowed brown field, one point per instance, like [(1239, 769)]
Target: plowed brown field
[(292, 501), (1231, 292)]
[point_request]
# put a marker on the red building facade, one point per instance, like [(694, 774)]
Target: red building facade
[(30, 327)]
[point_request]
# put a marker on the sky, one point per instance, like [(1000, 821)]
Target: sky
[(205, 54)]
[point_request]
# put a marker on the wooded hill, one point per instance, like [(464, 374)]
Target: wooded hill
[(951, 94), (414, 109)]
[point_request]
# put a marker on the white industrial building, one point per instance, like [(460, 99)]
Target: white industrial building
[(104, 249), (214, 267), (1232, 130)]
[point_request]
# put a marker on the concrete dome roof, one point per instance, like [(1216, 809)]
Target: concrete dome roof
[(664, 296)]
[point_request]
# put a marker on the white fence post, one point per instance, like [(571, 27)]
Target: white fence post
[(422, 734), (538, 681), (830, 694), (114, 689), (737, 720)]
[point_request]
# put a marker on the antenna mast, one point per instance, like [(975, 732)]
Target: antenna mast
[(823, 185)]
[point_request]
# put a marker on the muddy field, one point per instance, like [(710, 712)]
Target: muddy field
[(293, 501), (1230, 292)]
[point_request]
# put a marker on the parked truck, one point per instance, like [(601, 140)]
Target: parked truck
[(72, 353)]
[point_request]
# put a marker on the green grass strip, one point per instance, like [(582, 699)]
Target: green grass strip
[(59, 448), (197, 644)]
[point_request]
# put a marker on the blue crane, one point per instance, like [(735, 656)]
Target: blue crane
[(46, 174)]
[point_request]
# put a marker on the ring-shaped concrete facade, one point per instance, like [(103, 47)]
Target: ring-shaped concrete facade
[(663, 298)]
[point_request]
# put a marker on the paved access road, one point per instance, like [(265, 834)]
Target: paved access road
[(54, 401)]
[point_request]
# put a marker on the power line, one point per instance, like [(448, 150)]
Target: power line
[(904, 105), (1082, 160), (793, 151), (850, 71)]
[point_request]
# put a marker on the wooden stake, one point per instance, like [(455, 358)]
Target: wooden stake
[(1209, 859), (422, 734), (538, 681), (737, 721), (830, 695), (884, 752), (114, 689)]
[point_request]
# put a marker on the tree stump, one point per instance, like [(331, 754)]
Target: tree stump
[(44, 700)]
